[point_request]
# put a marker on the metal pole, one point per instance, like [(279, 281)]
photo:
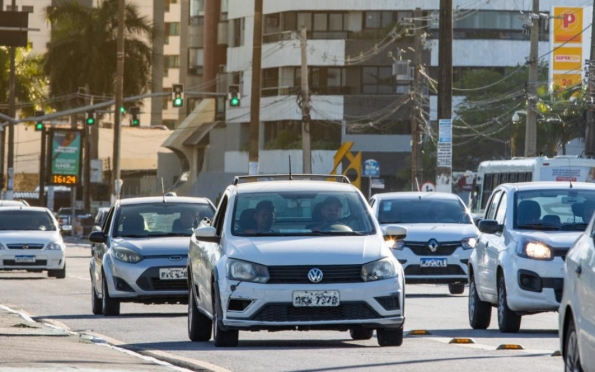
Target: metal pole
[(87, 158), (42, 168), (531, 123), (444, 172), (11, 113), (256, 82), (590, 132), (306, 149), (119, 98)]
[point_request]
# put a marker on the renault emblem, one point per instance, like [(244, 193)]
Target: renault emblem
[(315, 275), (433, 245), (25, 246)]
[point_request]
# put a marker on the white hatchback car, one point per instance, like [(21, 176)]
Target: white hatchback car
[(577, 309), (440, 235), (30, 240), (294, 255), (518, 262)]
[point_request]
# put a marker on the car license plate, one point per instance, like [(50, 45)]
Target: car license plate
[(172, 273), (315, 298), (432, 262), (24, 259)]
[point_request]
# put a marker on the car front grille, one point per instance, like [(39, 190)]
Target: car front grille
[(23, 245), (448, 270), (36, 263), (443, 249), (149, 281), (330, 274), (286, 312)]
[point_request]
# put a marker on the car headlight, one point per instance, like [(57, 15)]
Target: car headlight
[(469, 243), (536, 251), (55, 246), (247, 271), (378, 270), (126, 255)]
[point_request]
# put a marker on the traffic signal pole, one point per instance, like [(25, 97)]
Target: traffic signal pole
[(118, 97), (256, 82)]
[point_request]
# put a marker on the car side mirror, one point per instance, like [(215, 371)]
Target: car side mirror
[(65, 229), (394, 234), (207, 234), (97, 237), (490, 226)]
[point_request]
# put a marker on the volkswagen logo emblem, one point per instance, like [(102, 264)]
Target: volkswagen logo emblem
[(175, 258), (25, 246), (315, 275), (433, 245)]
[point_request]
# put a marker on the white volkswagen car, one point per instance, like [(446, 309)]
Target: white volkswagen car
[(440, 235), (577, 309), (518, 262), (30, 240), (294, 255)]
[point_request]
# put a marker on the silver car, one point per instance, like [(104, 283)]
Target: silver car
[(577, 308), (140, 253), (30, 240)]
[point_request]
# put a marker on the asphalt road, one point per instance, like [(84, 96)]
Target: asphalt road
[(161, 329)]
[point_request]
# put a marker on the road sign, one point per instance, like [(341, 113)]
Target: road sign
[(371, 168), (428, 187)]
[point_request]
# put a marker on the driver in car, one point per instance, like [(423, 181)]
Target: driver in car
[(331, 213)]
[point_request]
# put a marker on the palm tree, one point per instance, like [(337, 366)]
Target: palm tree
[(83, 43)]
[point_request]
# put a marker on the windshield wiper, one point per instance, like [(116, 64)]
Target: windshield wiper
[(538, 226), (134, 236), (576, 226)]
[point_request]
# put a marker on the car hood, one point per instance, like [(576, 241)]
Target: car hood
[(555, 239), (156, 246), (29, 237), (309, 250), (444, 232)]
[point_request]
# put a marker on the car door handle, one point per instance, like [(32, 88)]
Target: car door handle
[(578, 270)]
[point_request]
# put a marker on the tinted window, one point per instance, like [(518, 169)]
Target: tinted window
[(423, 210), (26, 220)]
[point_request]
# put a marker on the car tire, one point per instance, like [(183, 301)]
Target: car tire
[(508, 320), (221, 337), (109, 306), (199, 325), (572, 357), (480, 312), (96, 303), (389, 336), (456, 288), (361, 333)]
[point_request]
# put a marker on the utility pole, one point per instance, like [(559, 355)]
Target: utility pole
[(531, 123), (87, 157), (306, 150), (416, 89), (12, 114), (590, 132), (444, 148), (119, 99), (42, 168), (256, 82)]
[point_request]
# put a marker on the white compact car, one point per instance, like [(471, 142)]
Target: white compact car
[(294, 254), (30, 240), (440, 235), (577, 315), (518, 262)]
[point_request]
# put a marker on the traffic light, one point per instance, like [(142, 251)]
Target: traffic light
[(234, 95), (178, 95), (135, 121), (90, 118), (39, 123), (122, 110)]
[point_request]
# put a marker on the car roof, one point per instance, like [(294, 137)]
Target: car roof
[(416, 194), (294, 185), (24, 207), (548, 185), (164, 199), (4, 203)]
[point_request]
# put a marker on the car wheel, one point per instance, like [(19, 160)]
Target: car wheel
[(508, 320), (361, 333), (96, 304), (109, 306), (572, 357), (60, 274), (199, 325), (480, 312), (457, 288), (390, 336), (222, 338)]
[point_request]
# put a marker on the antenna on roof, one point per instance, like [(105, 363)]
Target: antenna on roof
[(290, 178), (162, 190)]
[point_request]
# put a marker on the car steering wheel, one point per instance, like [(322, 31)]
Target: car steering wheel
[(336, 226)]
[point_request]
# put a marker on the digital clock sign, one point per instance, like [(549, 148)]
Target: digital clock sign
[(63, 179)]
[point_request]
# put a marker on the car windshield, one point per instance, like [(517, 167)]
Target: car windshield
[(563, 209), (26, 220), (160, 219), (423, 210), (301, 213)]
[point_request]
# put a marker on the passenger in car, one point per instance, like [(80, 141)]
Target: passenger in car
[(185, 223), (264, 216), (330, 211)]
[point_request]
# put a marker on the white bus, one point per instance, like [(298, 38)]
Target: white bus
[(494, 172)]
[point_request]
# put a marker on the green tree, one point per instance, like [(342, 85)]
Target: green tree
[(30, 81), (83, 48)]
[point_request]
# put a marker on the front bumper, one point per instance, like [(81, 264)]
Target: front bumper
[(270, 306), (44, 259)]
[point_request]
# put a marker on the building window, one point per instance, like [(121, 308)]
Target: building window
[(27, 8), (172, 29), (378, 80), (10, 8), (171, 62), (304, 20), (238, 32), (196, 60), (197, 8)]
